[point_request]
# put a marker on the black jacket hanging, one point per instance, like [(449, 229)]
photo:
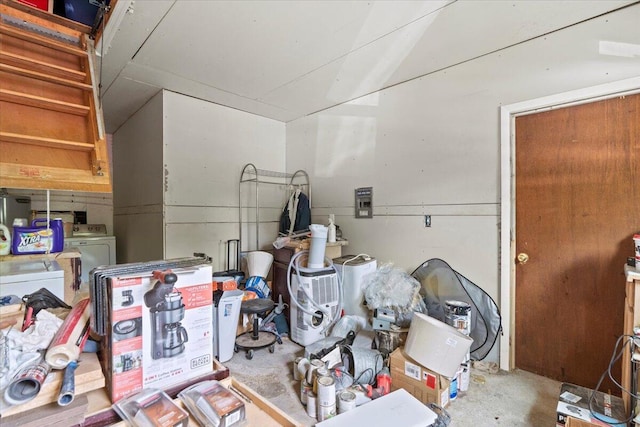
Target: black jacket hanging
[(297, 211)]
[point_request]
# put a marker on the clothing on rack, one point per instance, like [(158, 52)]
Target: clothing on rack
[(296, 215)]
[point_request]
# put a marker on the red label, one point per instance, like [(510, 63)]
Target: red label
[(430, 380), (126, 383), (197, 295), (120, 283), (126, 313)]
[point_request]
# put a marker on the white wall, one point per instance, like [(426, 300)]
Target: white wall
[(206, 147), (431, 146), (178, 164), (137, 185)]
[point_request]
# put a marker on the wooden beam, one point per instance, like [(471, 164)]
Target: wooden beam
[(43, 177), (46, 142), (45, 77), (20, 61), (44, 18), (32, 37), (45, 103)]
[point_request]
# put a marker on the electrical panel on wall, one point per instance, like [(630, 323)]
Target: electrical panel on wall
[(364, 202)]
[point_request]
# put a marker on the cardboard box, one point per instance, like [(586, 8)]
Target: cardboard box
[(574, 403), (424, 384), (159, 336)]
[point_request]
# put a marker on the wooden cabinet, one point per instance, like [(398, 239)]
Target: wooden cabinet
[(631, 320), (51, 127), (281, 258)]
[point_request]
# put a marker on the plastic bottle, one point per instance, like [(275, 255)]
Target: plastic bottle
[(38, 238), (331, 231), (5, 240)]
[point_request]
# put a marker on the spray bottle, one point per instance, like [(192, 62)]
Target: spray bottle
[(331, 230), (5, 240)]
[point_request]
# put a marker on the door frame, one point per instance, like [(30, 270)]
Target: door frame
[(508, 114)]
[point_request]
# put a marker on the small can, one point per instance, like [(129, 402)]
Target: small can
[(296, 372), (312, 410), (305, 389), (465, 378), (326, 391), (314, 365), (320, 372), (458, 315), (453, 388), (346, 401), (326, 412)]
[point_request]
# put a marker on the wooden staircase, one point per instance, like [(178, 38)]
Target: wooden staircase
[(51, 126)]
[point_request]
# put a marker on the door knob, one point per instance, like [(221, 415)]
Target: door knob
[(523, 258)]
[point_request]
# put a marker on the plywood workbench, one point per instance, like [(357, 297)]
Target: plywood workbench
[(259, 412)]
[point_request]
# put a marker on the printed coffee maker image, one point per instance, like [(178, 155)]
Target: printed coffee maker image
[(167, 310)]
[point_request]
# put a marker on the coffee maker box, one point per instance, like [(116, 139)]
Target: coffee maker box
[(160, 333)]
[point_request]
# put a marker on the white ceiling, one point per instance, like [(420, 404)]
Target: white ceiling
[(287, 59)]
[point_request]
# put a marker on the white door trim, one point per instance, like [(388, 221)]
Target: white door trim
[(508, 113)]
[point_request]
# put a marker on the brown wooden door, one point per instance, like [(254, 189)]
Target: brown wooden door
[(577, 207)]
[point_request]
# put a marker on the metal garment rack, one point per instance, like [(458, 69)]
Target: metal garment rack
[(253, 176)]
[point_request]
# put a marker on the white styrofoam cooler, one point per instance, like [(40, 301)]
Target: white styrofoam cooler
[(436, 345)]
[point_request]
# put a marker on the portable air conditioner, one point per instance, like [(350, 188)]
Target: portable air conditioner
[(322, 286), (353, 274)]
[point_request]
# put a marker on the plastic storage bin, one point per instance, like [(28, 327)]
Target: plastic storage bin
[(83, 11)]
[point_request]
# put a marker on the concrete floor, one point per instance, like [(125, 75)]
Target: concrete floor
[(512, 399)]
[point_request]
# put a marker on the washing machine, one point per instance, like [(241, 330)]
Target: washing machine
[(95, 250)]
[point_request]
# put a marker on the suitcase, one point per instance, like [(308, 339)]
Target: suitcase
[(233, 267)]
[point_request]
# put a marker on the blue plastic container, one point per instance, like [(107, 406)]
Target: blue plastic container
[(37, 239), (83, 11)]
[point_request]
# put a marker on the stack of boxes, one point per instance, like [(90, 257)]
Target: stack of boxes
[(158, 339), (430, 360)]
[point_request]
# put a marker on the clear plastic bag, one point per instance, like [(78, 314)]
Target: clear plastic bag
[(151, 408), (390, 287), (213, 405)]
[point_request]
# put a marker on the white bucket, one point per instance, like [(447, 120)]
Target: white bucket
[(318, 244), (259, 263)]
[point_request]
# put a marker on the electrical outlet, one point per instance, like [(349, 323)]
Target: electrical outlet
[(427, 220)]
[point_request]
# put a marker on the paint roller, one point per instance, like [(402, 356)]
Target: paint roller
[(67, 344)]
